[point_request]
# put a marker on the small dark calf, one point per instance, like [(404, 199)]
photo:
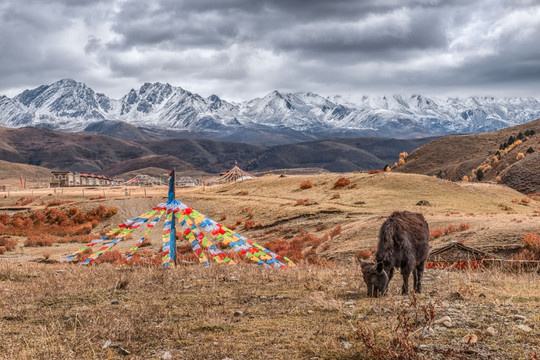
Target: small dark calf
[(373, 282)]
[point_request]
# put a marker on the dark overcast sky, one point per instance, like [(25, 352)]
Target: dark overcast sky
[(240, 49)]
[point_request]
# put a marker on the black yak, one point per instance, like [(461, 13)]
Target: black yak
[(403, 243)]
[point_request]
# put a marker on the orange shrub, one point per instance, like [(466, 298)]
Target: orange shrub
[(113, 210), (79, 217), (531, 242), (306, 185), (113, 257), (39, 217), (153, 261), (435, 233), (363, 254), (334, 232), (278, 246), (376, 171), (341, 183), (526, 200), (312, 240), (145, 243), (8, 243), (5, 219), (27, 201), (336, 196), (248, 224), (2, 250), (464, 226), (39, 240), (58, 202), (302, 202), (84, 255), (146, 253), (450, 229), (184, 249)]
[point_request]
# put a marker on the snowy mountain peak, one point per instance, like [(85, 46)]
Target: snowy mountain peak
[(72, 106)]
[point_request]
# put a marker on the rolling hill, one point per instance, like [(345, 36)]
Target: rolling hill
[(455, 156), (103, 154)]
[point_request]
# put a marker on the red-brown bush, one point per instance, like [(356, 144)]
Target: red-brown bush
[(8, 243), (531, 247), (249, 224), (306, 185), (334, 232), (435, 233), (302, 202), (278, 246), (450, 229), (5, 219), (114, 257), (363, 254), (58, 202), (39, 240), (464, 226), (341, 183)]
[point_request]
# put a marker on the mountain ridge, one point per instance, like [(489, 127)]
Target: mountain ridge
[(72, 106), (101, 153)]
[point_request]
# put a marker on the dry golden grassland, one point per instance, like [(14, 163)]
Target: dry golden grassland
[(246, 312)]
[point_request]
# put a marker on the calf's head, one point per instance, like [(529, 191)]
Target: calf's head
[(376, 282)]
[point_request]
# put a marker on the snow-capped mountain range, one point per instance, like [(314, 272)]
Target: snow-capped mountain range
[(72, 106)]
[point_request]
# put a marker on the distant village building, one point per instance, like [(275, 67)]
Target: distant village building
[(68, 178), (65, 178)]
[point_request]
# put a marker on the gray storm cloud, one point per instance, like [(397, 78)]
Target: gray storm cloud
[(239, 49)]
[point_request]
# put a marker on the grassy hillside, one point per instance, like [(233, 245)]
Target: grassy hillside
[(455, 156)]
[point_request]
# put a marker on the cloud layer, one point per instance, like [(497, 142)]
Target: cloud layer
[(239, 49)]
